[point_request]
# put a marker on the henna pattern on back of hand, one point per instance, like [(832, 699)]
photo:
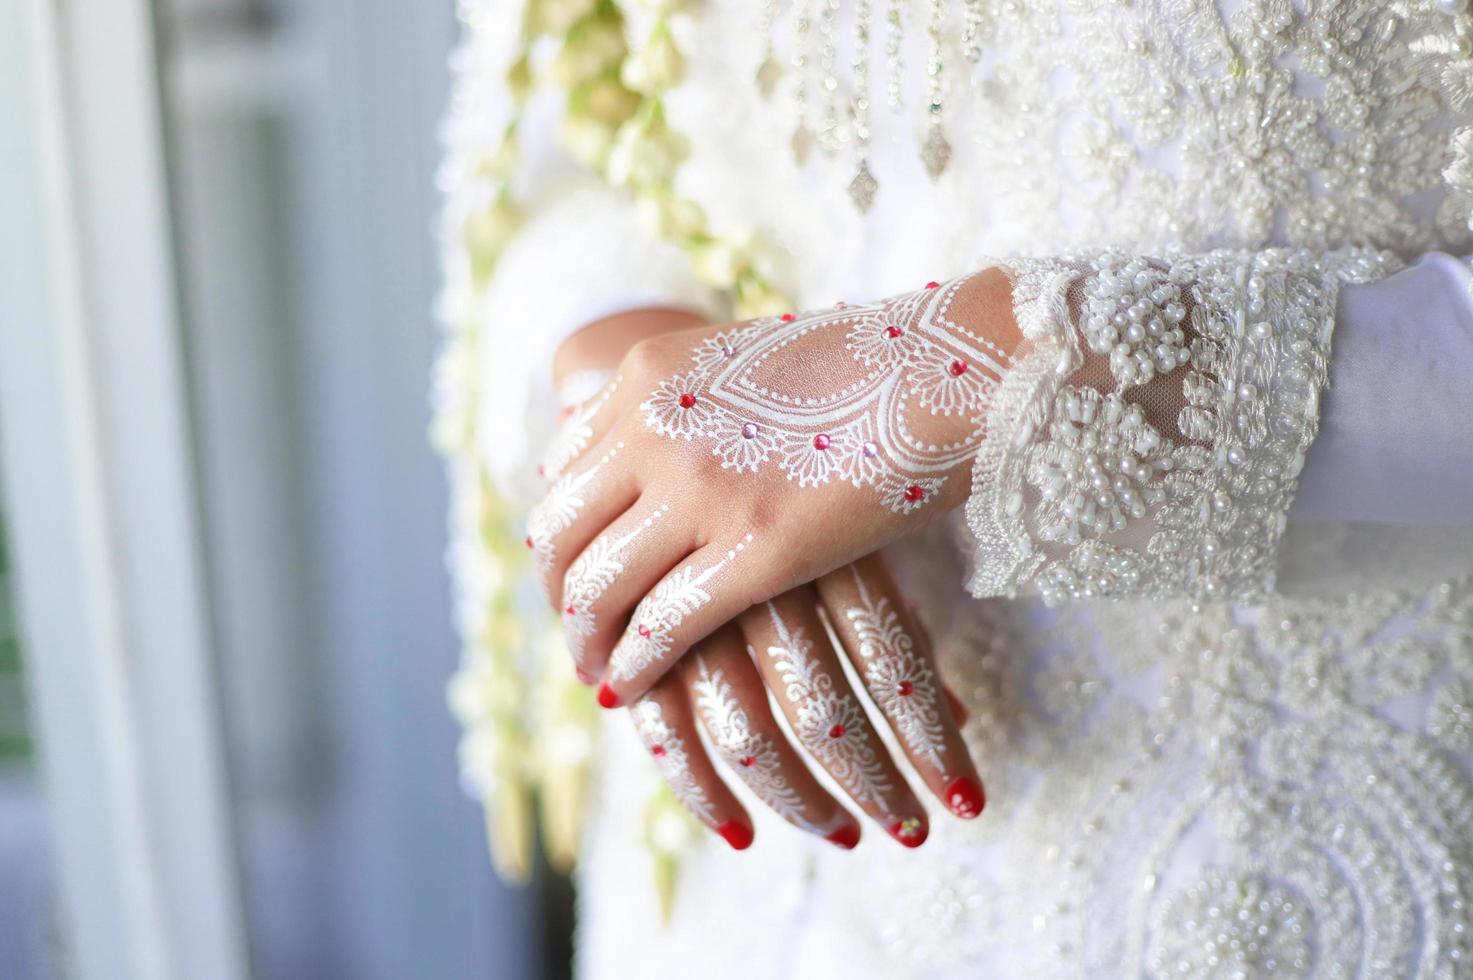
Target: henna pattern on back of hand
[(883, 368)]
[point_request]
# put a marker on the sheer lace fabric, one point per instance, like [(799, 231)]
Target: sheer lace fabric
[(1147, 438)]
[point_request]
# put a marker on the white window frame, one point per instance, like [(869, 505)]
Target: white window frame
[(100, 489)]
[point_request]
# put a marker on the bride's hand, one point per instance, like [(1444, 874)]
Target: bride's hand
[(726, 465), (781, 646)]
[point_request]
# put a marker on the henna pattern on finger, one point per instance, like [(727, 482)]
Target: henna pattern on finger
[(575, 433), (906, 359), (901, 681), (659, 613), (830, 725), (590, 577), (752, 756), (668, 750), (557, 511)]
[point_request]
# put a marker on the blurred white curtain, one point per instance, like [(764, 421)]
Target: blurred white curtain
[(236, 490), (305, 136)]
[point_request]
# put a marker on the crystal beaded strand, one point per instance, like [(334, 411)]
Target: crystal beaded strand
[(894, 67), (802, 139), (936, 151), (829, 131), (862, 188), (972, 25)]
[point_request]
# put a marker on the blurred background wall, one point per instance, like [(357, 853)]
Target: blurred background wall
[(299, 139)]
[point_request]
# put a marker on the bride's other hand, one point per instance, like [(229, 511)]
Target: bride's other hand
[(723, 466), (782, 646)]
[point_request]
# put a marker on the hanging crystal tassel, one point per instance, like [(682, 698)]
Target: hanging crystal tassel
[(863, 187), (935, 151), (769, 72)]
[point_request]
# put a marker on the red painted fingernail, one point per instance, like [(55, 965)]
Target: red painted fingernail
[(606, 696), (584, 677), (846, 837), (912, 831), (738, 835), (965, 798)]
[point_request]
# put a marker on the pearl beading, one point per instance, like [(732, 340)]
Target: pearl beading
[(1077, 493)]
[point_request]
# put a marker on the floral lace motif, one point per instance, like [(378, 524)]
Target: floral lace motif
[(1229, 783), (1093, 483)]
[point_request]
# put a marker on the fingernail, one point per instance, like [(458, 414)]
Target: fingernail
[(584, 677), (738, 835), (912, 831), (606, 696), (965, 798), (846, 837)]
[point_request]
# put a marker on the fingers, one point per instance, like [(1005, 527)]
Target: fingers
[(698, 595), (800, 667), (663, 720), (893, 659), (609, 577), (732, 707), (585, 421), (577, 505)]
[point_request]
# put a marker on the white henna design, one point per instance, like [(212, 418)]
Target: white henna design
[(660, 612), (752, 756), (905, 359), (590, 577), (830, 725), (668, 750), (575, 433), (901, 681), (558, 509)]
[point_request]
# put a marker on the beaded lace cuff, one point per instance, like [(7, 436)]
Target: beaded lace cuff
[(1147, 439)]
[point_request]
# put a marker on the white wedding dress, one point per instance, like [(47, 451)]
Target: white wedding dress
[(1178, 786)]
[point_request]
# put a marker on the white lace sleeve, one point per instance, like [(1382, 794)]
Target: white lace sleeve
[(1147, 438)]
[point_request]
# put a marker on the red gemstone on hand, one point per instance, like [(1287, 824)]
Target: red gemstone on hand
[(893, 331), (957, 368), (687, 400), (527, 541), (569, 610), (821, 441), (644, 631), (748, 761), (658, 751), (787, 318), (836, 732), (932, 285), (906, 689), (914, 494)]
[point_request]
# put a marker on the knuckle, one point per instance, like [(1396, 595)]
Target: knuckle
[(645, 360)]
